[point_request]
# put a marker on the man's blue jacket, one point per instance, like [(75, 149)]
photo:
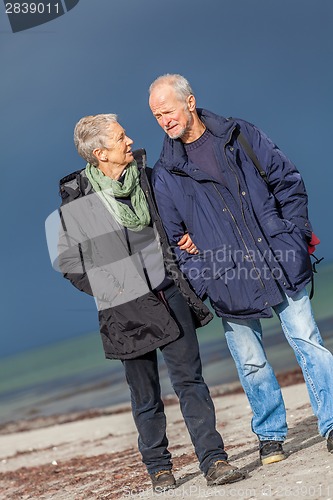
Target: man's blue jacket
[(251, 235)]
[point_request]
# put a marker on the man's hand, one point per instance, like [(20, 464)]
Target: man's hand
[(185, 243)]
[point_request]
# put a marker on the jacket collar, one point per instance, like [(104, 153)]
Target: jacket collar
[(217, 125), (173, 155)]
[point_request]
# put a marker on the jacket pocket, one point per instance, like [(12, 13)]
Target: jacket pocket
[(136, 327), (230, 292), (290, 248), (277, 226), (216, 263)]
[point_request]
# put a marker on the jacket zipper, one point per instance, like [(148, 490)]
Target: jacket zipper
[(238, 184), (231, 214), (241, 203)]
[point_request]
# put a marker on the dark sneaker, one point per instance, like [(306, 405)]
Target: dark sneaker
[(271, 452), (162, 480), (330, 442), (221, 472)]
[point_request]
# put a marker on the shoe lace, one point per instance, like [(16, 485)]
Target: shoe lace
[(161, 472), (221, 462)]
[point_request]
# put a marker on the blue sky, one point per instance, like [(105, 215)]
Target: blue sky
[(267, 61)]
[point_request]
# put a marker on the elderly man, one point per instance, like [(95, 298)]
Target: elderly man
[(113, 246), (244, 205)]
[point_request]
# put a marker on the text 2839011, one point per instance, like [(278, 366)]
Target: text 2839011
[(33, 8)]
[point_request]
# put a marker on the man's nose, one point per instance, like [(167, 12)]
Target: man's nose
[(129, 141), (166, 121)]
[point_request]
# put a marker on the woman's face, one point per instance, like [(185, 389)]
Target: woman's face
[(119, 152)]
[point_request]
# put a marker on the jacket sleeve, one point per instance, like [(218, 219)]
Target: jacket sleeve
[(70, 262), (190, 265), (285, 181)]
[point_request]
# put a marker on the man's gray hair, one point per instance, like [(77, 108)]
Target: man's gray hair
[(178, 82), (92, 132)]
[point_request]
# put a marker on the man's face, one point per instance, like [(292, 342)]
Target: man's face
[(171, 114), (118, 149)]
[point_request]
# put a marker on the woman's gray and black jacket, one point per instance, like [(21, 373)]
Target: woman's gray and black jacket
[(129, 328)]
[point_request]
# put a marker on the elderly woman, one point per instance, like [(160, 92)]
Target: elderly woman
[(113, 246)]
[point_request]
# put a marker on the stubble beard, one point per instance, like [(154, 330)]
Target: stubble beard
[(183, 132)]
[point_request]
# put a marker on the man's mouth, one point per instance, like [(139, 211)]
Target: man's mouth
[(170, 128)]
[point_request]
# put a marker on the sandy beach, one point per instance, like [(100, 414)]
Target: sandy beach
[(93, 455)]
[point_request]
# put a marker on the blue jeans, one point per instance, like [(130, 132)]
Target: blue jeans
[(244, 338), (183, 362)]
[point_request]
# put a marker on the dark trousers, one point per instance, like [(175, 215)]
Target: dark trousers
[(183, 362)]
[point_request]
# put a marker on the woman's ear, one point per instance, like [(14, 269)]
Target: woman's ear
[(100, 154)]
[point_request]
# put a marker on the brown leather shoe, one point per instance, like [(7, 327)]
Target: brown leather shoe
[(162, 480), (221, 472)]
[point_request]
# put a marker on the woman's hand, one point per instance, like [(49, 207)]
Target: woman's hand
[(185, 243)]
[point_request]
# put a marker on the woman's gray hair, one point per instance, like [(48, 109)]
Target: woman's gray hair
[(178, 82), (92, 132)]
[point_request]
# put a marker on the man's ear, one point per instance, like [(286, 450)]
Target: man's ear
[(191, 102), (100, 154)]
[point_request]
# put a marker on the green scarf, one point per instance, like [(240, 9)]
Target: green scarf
[(109, 189)]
